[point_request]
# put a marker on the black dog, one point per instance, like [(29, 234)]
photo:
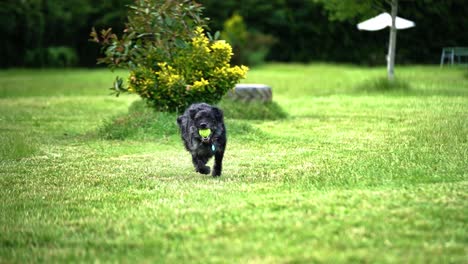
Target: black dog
[(201, 117)]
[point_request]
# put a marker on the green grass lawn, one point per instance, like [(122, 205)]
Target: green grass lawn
[(341, 168)]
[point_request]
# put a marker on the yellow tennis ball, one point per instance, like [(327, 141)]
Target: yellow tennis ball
[(204, 132)]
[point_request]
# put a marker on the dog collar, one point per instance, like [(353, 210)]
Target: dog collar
[(213, 146)]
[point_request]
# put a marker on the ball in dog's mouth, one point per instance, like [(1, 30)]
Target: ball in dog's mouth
[(204, 133)]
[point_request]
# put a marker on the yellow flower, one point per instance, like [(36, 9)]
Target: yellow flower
[(200, 85), (238, 72), (199, 31), (200, 40), (222, 52), (222, 46)]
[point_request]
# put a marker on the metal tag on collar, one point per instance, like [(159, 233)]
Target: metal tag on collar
[(213, 147)]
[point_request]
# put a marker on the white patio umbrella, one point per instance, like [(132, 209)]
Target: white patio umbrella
[(384, 20), (394, 23)]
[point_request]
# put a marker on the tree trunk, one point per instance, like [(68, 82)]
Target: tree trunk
[(392, 42)]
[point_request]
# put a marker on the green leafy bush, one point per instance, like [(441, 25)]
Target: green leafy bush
[(53, 56), (252, 110), (172, 62), (61, 56), (250, 47)]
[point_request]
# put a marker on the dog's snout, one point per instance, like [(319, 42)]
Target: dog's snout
[(203, 125)]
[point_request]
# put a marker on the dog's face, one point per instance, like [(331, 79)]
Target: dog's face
[(207, 119), (201, 117)]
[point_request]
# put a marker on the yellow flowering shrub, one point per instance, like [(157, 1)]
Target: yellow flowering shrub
[(199, 72)]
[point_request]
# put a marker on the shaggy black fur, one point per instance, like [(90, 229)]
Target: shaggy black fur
[(203, 116)]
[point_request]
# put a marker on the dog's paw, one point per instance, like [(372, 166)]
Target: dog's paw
[(216, 173), (204, 170)]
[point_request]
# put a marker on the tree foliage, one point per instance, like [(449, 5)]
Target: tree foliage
[(302, 28), (344, 9)]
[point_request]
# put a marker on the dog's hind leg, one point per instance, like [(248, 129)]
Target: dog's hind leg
[(200, 165)]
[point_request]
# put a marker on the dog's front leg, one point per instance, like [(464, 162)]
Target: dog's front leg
[(218, 163), (200, 165)]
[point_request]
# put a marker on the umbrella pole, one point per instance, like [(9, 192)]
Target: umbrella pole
[(392, 43)]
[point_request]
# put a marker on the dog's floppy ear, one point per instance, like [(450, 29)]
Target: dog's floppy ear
[(218, 113), (179, 119)]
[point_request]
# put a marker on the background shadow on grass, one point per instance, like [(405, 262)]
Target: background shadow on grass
[(17, 145), (383, 85), (141, 122), (407, 86)]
